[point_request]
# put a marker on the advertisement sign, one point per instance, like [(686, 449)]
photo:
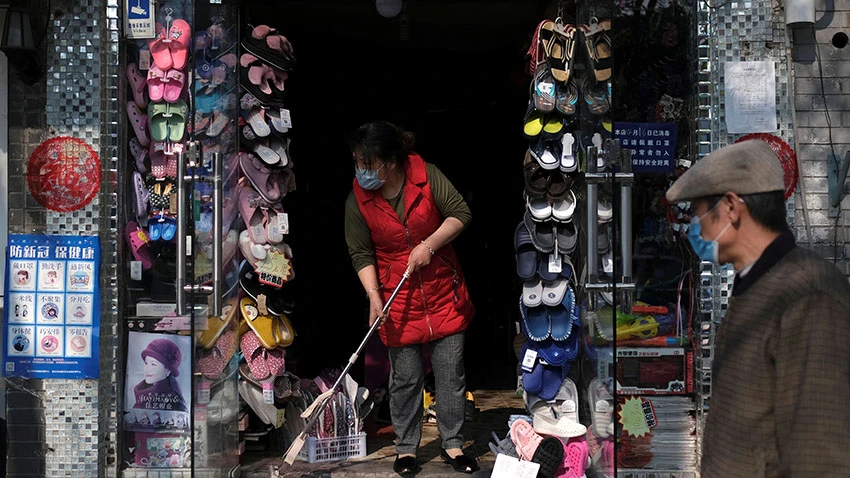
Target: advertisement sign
[(653, 145), (158, 383), (52, 316)]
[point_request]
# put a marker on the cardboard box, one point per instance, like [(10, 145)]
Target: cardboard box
[(654, 371)]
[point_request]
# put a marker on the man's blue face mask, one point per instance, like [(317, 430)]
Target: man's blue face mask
[(368, 178), (705, 250)]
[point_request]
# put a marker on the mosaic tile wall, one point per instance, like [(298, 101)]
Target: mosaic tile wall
[(730, 31), (73, 421)]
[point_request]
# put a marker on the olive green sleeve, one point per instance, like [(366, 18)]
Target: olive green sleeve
[(448, 200), (358, 237)]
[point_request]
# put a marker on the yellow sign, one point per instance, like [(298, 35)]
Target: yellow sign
[(632, 416)]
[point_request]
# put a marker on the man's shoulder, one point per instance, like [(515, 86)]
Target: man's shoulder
[(808, 269)]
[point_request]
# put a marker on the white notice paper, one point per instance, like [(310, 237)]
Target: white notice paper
[(510, 467), (750, 97)]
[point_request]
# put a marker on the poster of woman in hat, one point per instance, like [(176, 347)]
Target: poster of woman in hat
[(158, 371)]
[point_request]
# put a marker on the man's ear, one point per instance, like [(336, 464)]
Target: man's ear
[(735, 205)]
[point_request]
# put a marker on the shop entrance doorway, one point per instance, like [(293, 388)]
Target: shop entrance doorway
[(451, 72)]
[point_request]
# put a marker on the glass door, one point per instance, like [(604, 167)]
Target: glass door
[(181, 402)]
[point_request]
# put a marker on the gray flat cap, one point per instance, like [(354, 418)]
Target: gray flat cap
[(747, 167)]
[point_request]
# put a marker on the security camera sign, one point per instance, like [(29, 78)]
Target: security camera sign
[(139, 19)]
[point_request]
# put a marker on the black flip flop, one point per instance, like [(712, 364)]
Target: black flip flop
[(550, 455)]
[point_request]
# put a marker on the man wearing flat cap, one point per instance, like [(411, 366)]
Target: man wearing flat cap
[(781, 370)]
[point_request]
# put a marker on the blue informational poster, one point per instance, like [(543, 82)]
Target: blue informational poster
[(653, 145), (52, 317)]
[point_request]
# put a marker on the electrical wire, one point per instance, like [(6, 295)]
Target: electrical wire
[(803, 193), (831, 144)]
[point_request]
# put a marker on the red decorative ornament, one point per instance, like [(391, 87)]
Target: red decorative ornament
[(786, 157), (63, 174)]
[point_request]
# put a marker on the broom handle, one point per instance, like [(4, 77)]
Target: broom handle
[(372, 329)]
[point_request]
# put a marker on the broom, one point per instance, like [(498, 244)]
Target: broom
[(317, 407)]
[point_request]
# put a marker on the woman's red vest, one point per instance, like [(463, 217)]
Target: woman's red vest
[(434, 302)]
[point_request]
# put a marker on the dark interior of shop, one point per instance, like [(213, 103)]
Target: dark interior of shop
[(451, 72)]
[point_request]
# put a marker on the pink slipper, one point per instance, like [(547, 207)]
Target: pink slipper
[(261, 31), (173, 87), (137, 81), (259, 176), (181, 37), (139, 244), (575, 458), (525, 439), (253, 351), (140, 155), (139, 123), (156, 83), (159, 49), (212, 362)]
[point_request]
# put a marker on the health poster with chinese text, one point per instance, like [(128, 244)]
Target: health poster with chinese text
[(52, 316)]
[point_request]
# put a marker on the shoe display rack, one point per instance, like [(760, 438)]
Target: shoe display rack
[(209, 286)]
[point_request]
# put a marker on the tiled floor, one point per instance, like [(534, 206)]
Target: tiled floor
[(493, 409)]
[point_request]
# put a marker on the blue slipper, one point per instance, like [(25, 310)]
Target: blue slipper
[(543, 269), (551, 351), (169, 228), (526, 253), (532, 382), (535, 321), (561, 316), (552, 377)]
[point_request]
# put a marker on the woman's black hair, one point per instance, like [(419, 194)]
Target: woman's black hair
[(381, 141)]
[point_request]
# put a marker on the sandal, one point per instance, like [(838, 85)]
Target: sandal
[(261, 324), (535, 177), (216, 324), (525, 439), (543, 89), (599, 47), (561, 51)]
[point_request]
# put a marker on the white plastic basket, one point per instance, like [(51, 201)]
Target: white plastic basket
[(333, 449)]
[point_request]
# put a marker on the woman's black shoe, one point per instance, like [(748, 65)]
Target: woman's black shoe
[(405, 465), (460, 463)]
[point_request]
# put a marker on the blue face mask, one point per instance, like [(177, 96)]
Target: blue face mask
[(705, 250), (368, 178)]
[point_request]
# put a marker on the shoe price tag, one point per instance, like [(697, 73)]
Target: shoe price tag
[(528, 360), (145, 60), (135, 270), (203, 392), (286, 118), (283, 222), (554, 264), (268, 392)]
